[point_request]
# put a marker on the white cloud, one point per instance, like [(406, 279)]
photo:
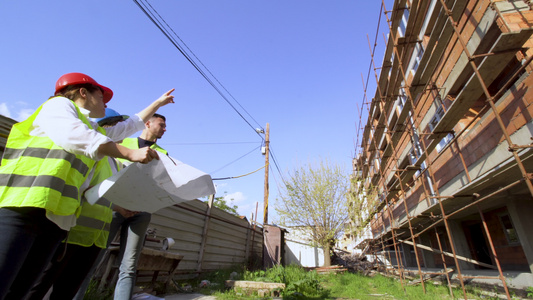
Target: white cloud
[(24, 113), (21, 112), (236, 198), (4, 110), (244, 206)]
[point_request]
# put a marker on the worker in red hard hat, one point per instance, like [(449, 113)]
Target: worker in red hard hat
[(44, 170), (75, 259), (71, 79)]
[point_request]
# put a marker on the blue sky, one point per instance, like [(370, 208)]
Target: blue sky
[(296, 65)]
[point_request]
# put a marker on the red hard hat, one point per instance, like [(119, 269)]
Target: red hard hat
[(80, 78)]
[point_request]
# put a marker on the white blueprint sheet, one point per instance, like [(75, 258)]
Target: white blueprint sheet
[(150, 187)]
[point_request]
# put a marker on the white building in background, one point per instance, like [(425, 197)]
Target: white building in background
[(303, 254), (299, 249)]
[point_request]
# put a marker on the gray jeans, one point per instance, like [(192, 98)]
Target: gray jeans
[(132, 232)]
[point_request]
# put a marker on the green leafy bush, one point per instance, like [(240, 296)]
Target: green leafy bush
[(529, 291)]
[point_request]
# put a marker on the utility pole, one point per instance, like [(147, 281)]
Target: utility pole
[(267, 142)]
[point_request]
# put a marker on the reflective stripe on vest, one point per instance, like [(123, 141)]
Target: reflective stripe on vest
[(75, 163), (86, 221), (36, 172), (103, 202), (42, 181)]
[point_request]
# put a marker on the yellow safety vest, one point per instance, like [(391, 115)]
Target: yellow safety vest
[(36, 172), (133, 143), (93, 223)]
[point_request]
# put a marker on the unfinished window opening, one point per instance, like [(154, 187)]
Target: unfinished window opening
[(506, 75), (426, 27), (384, 145), (413, 158), (433, 123), (417, 57), (404, 163), (402, 98), (376, 164), (403, 22), (391, 64), (509, 229), (393, 120), (376, 118)]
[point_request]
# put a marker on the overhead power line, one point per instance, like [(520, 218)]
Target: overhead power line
[(167, 30), (158, 21), (240, 175), (235, 160), (276, 164)]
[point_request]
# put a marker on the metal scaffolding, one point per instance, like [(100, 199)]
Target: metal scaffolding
[(397, 180)]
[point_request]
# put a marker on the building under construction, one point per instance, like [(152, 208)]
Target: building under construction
[(446, 154)]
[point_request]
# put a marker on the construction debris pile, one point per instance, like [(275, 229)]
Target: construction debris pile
[(355, 263)]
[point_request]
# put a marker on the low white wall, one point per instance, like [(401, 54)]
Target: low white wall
[(303, 254)]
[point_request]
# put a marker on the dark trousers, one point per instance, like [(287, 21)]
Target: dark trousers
[(66, 272), (28, 240)]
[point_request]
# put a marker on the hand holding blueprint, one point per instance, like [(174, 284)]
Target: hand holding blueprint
[(150, 187)]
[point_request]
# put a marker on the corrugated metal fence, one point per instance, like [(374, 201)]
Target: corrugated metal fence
[(208, 238)]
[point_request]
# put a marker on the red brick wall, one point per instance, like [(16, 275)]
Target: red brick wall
[(510, 256)]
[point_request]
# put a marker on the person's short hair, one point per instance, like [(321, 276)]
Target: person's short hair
[(159, 116)]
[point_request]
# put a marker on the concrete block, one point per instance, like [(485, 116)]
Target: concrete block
[(262, 288)]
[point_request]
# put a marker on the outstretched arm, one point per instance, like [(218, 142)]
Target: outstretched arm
[(149, 111)]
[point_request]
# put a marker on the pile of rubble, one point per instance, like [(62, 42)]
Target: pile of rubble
[(355, 263)]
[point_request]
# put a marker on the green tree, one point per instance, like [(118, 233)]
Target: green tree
[(222, 203), (314, 197)]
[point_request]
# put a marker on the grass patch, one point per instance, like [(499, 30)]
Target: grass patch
[(298, 282), (350, 285), (303, 284)]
